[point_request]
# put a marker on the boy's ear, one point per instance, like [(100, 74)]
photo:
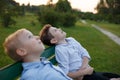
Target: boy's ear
[(53, 41), (21, 52)]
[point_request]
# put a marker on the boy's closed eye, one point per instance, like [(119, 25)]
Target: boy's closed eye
[(30, 36)]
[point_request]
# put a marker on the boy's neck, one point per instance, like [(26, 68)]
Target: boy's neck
[(32, 58), (62, 41)]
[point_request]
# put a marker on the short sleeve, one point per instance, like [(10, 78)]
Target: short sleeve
[(83, 52)]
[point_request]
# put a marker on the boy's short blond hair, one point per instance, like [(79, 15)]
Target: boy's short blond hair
[(12, 43)]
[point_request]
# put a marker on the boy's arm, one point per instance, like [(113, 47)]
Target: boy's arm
[(81, 72), (85, 62)]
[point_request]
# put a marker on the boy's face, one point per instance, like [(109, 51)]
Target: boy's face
[(32, 44), (57, 33)]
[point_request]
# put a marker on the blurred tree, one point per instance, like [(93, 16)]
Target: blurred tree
[(8, 8), (102, 7), (59, 14), (63, 6), (109, 9), (22, 12), (2, 6)]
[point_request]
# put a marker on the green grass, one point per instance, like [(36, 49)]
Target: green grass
[(104, 52)]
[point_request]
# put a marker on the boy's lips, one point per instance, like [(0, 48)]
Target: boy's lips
[(39, 41)]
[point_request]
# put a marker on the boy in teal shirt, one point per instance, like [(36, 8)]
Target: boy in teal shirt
[(72, 58)]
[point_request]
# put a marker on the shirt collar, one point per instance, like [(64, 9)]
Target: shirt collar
[(28, 65), (68, 42)]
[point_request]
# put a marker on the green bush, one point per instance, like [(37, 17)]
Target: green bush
[(50, 16), (7, 20), (69, 19), (116, 19)]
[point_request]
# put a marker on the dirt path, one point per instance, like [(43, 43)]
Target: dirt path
[(112, 36)]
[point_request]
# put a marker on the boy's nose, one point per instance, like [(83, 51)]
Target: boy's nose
[(37, 37), (59, 29)]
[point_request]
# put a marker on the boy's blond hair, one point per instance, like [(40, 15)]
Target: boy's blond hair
[(12, 43)]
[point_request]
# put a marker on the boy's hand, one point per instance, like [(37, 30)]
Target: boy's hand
[(85, 62), (81, 72), (88, 70), (83, 67)]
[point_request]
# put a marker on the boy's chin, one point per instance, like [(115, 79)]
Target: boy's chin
[(43, 49)]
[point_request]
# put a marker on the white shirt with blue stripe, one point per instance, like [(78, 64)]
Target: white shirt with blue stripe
[(69, 55)]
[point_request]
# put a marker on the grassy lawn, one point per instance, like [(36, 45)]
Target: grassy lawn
[(104, 52)]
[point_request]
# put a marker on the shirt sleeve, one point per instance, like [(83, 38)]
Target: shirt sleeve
[(62, 58), (83, 52)]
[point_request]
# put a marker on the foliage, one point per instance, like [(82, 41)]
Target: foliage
[(63, 6), (22, 10), (49, 16), (109, 10), (7, 20), (57, 15), (69, 19), (2, 6), (8, 9)]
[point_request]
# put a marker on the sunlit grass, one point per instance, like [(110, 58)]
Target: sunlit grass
[(104, 52)]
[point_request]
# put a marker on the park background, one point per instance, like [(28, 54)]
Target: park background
[(104, 52)]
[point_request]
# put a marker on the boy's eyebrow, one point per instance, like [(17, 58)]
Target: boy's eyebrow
[(28, 33), (54, 29)]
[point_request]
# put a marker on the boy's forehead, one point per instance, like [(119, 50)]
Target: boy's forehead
[(53, 28), (25, 33)]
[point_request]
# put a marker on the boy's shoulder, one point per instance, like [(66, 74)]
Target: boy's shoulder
[(70, 38), (28, 74)]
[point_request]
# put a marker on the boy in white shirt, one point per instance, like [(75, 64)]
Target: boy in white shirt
[(72, 58)]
